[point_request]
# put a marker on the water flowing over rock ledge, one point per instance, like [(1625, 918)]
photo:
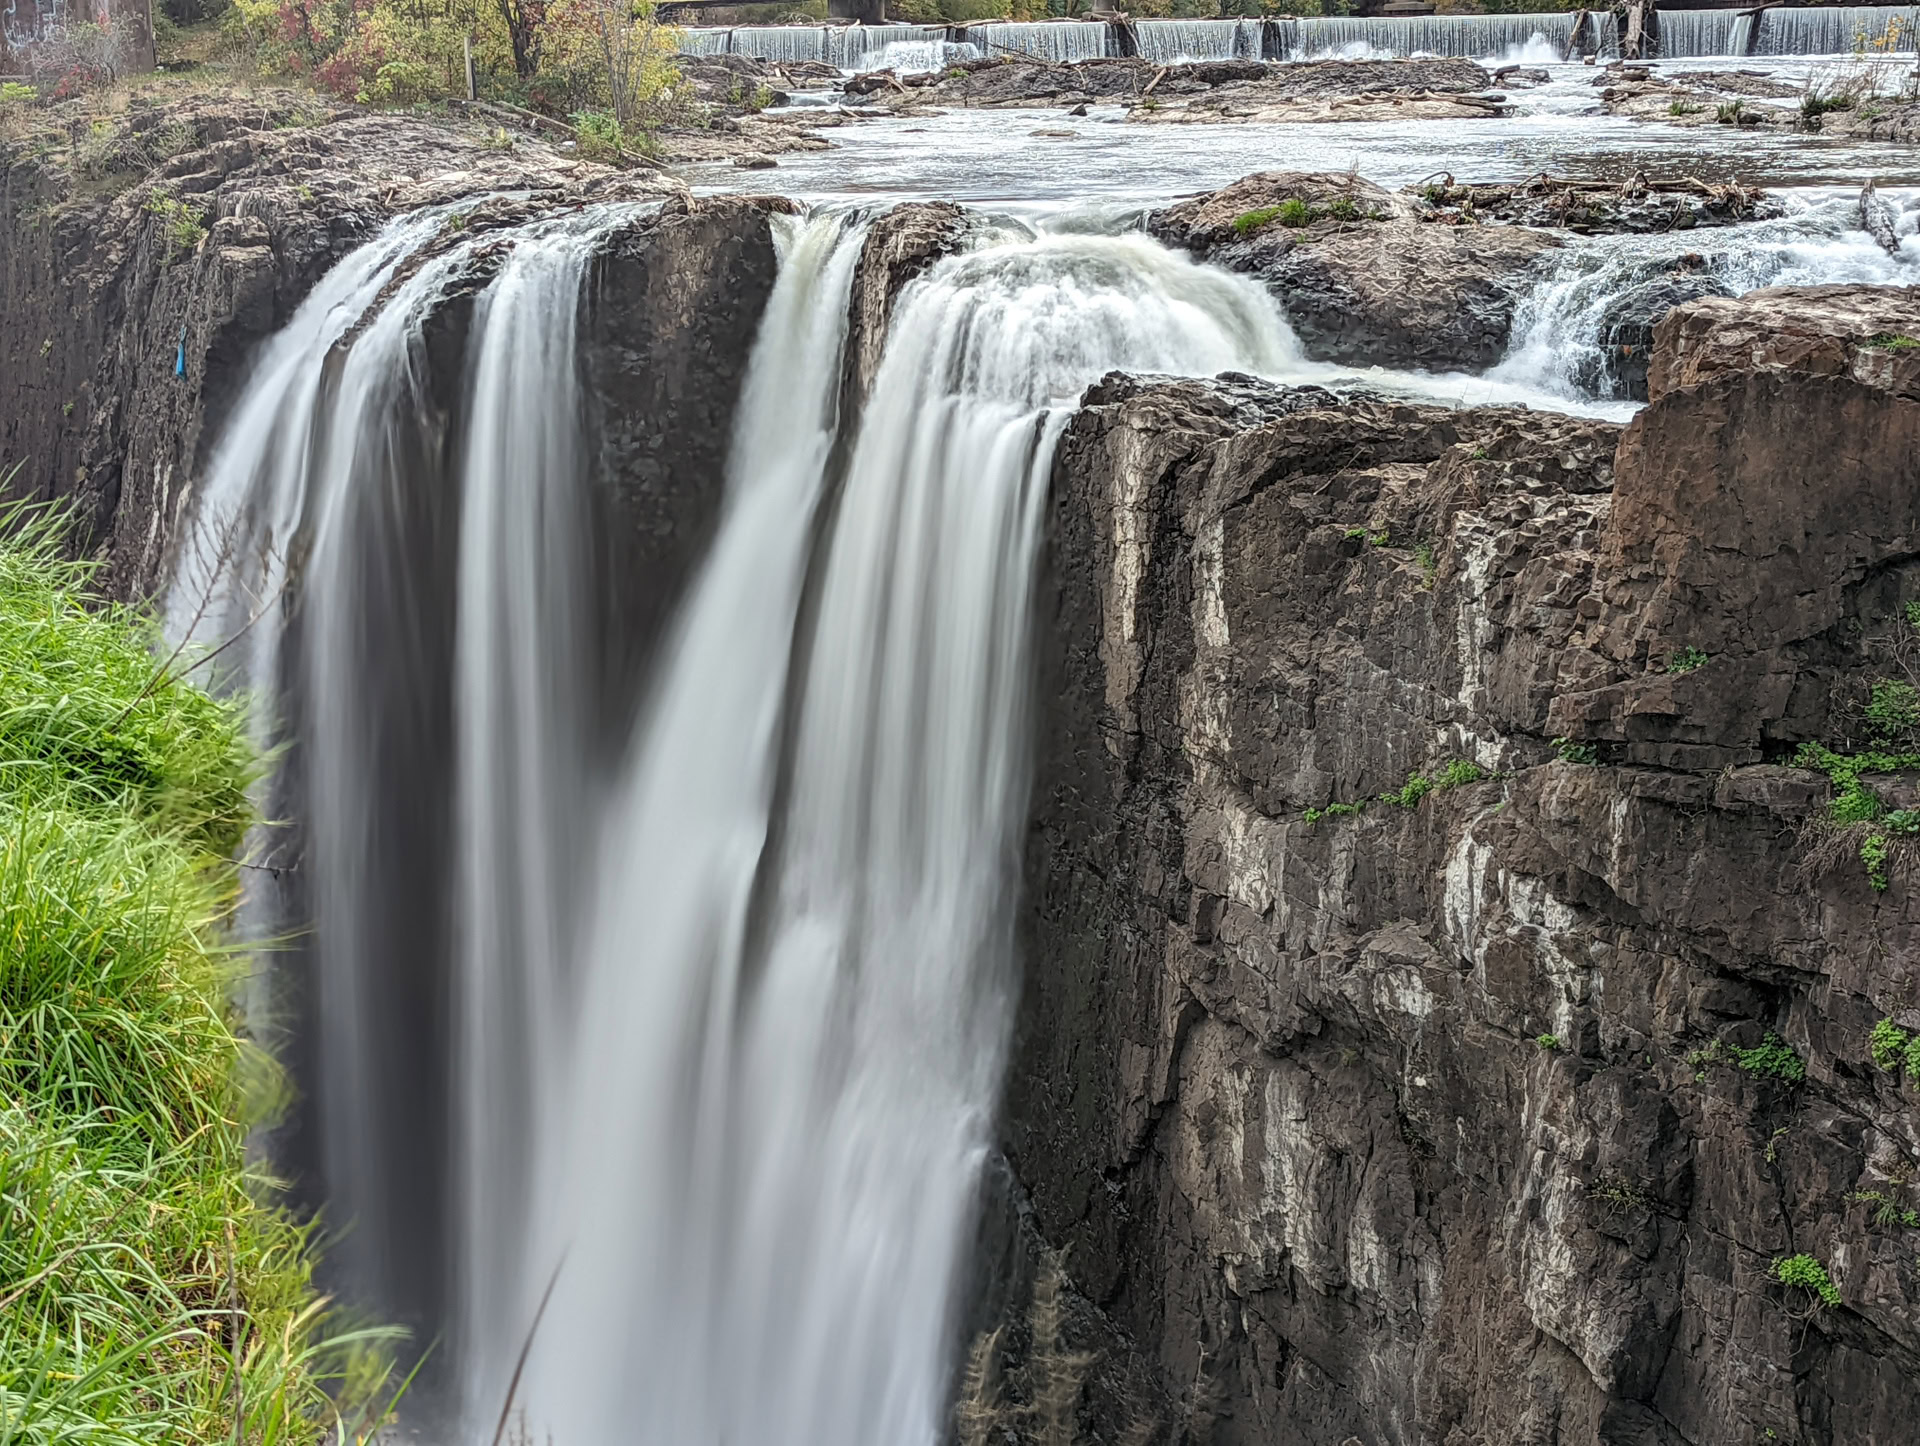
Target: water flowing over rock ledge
[(1421, 1119), (1447, 1111)]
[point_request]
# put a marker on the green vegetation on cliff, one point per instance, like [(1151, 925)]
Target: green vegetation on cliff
[(149, 1290)]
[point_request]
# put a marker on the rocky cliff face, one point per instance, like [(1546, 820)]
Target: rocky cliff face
[(1447, 1007), (128, 318)]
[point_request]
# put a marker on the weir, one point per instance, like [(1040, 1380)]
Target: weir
[(1535, 38)]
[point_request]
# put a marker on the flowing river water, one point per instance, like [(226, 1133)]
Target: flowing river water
[(724, 1013)]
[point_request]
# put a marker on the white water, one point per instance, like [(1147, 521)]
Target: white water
[(520, 737), (1558, 325), (767, 1149)]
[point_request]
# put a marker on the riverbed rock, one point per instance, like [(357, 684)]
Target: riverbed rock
[(1594, 208), (1422, 1115), (1363, 283), (1202, 91)]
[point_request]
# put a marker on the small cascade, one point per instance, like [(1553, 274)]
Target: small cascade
[(1580, 291), (875, 47), (1686, 33), (1740, 42), (1060, 41), (913, 56), (1866, 30), (705, 40), (1166, 41), (1531, 38)]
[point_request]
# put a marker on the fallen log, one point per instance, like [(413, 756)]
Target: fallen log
[(1876, 219)]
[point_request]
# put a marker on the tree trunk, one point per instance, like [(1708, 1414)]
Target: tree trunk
[(130, 24)]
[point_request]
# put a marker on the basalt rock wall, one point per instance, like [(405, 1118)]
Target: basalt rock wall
[(1446, 1001)]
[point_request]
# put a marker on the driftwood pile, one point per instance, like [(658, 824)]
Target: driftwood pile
[(1636, 204)]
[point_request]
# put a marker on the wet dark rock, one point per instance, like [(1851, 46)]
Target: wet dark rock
[(1363, 284), (1421, 1125), (1594, 208), (899, 246), (1626, 328)]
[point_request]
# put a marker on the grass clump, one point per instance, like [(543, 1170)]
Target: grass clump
[(1684, 107), (1247, 222), (147, 1294), (1728, 114), (182, 223), (1893, 341), (1547, 1042), (1807, 1273), (1292, 212), (1686, 660)]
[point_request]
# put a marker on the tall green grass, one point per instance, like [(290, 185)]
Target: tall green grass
[(150, 1289)]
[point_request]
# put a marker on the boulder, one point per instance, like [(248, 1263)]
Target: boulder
[(1361, 282)]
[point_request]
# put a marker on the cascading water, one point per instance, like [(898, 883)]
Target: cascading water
[(1061, 41), (767, 1149), (1561, 321), (718, 1048), (1166, 41), (520, 737), (325, 485)]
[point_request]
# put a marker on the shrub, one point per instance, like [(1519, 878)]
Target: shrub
[(1548, 1042), (1686, 660), (1893, 341), (1807, 1273), (181, 222), (1417, 787), (1773, 1058), (1570, 752), (1887, 1045), (1893, 709), (599, 136), (1460, 771)]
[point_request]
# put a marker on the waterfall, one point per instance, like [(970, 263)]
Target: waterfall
[(1868, 30), (1686, 33), (798, 972), (1165, 41), (519, 737), (342, 562), (710, 1049), (1535, 38), (1055, 40)]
